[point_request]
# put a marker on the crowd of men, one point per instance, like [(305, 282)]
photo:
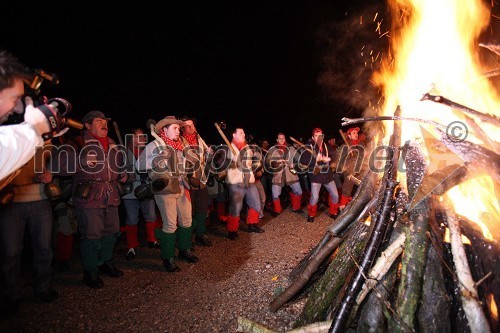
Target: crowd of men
[(163, 178)]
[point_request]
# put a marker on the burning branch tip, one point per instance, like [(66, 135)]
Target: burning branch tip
[(429, 97)]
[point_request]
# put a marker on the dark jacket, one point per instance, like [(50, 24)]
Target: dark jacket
[(318, 172), (102, 179)]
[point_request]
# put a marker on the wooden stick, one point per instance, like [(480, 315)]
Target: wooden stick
[(225, 139), (118, 134), (302, 145), (306, 274), (382, 266), (342, 134), (249, 326)]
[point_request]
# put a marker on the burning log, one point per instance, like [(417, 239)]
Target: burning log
[(306, 274), (356, 207), (489, 144), (476, 155), (442, 180), (492, 119), (382, 266), (487, 252), (435, 304), (343, 312), (351, 121), (413, 261), (492, 47), (326, 289), (468, 292), (377, 306), (356, 211)]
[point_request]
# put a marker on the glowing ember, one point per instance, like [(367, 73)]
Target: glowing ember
[(490, 299), (434, 48)]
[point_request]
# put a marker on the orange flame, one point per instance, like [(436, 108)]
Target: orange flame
[(473, 200), (490, 299), (434, 47)]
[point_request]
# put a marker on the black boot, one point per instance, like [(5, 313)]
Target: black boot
[(110, 269), (188, 256), (92, 279), (255, 228), (232, 235), (62, 266), (170, 265), (202, 240), (48, 296), (310, 219)]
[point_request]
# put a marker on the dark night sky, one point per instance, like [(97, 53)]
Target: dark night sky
[(251, 63)]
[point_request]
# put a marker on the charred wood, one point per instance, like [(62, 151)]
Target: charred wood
[(435, 305), (413, 261), (352, 211), (315, 263), (443, 179), (343, 311), (328, 286), (301, 281), (377, 308), (475, 155), (492, 119), (488, 254), (382, 266), (357, 210)]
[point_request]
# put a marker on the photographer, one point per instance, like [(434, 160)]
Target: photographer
[(18, 142)]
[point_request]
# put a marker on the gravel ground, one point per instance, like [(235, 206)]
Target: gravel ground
[(232, 278)]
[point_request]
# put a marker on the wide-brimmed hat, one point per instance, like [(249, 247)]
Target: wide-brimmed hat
[(94, 114), (169, 120)]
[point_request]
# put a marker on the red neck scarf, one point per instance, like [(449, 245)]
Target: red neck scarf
[(192, 139), (283, 148), (104, 141), (136, 151), (354, 142), (177, 145), (239, 145)]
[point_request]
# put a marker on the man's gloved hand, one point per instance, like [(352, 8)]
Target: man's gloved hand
[(36, 117), (46, 119)]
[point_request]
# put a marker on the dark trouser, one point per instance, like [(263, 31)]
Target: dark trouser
[(199, 201), (99, 229), (238, 193), (36, 216)]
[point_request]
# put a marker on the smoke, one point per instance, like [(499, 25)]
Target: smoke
[(351, 50)]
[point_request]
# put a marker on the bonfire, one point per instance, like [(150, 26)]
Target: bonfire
[(417, 249)]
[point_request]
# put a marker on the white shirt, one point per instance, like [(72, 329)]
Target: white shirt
[(17, 147)]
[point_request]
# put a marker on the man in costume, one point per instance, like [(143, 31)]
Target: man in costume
[(280, 161), (318, 156), (164, 161)]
